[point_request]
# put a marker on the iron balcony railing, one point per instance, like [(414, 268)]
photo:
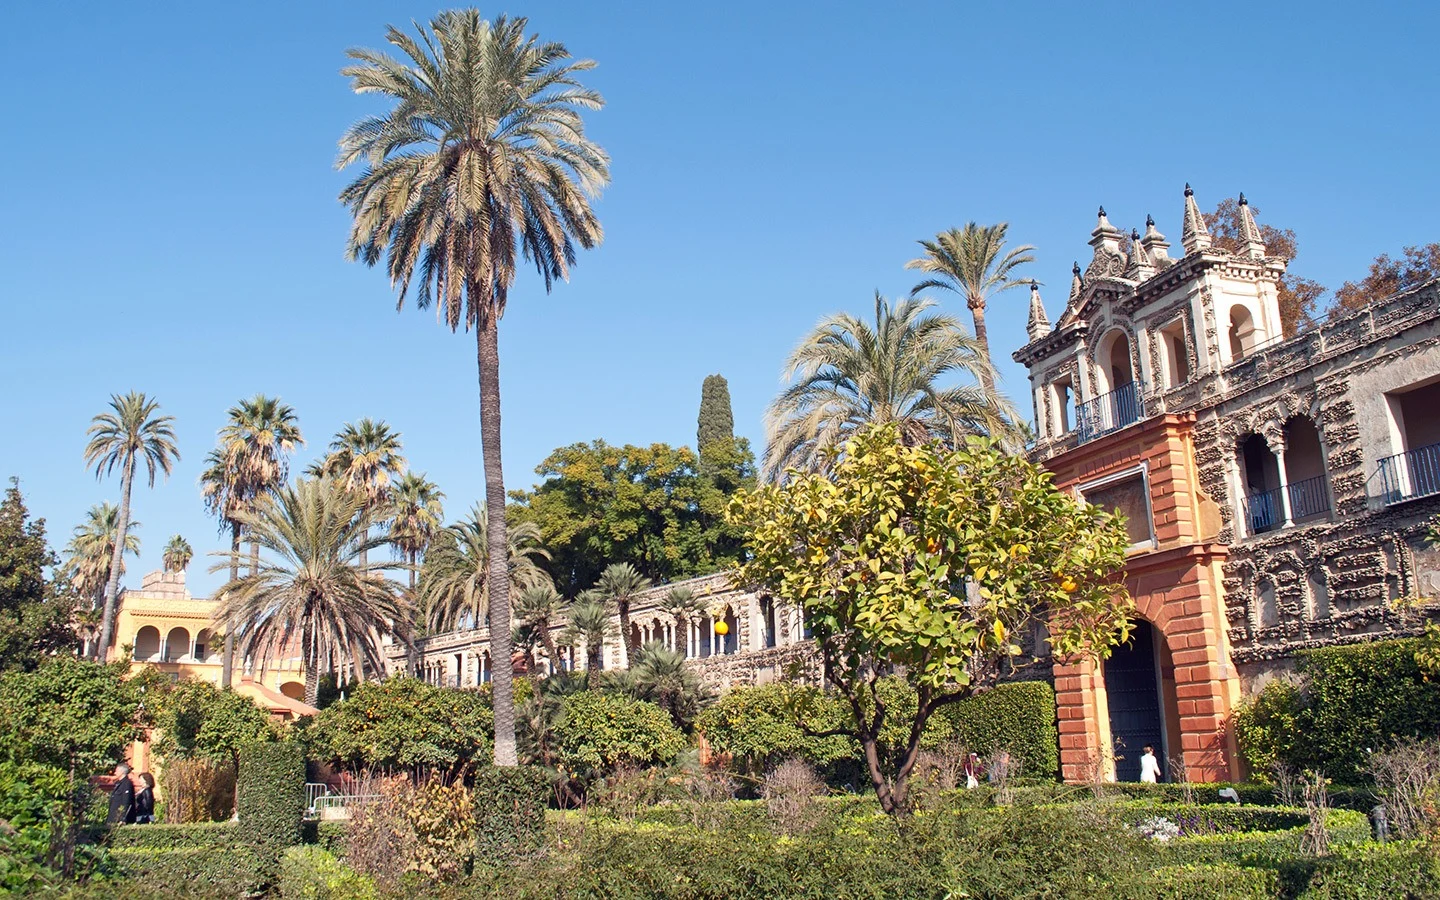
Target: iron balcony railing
[(1308, 498), (1415, 473), (1263, 511), (1110, 412)]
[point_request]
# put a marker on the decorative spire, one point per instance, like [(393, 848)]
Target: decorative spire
[(1076, 283), (1138, 266), (1156, 247), (1109, 261), (1104, 226), (1039, 324), (1249, 231), (1195, 235)]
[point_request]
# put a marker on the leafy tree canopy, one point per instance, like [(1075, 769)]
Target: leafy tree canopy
[(937, 561), (1298, 297), (196, 719), (1388, 276), (600, 731), (404, 723), (649, 506), (35, 612), (68, 710)]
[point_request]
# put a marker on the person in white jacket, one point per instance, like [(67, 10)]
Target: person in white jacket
[(1149, 766)]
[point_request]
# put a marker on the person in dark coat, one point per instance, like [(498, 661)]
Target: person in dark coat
[(122, 797), (144, 808)]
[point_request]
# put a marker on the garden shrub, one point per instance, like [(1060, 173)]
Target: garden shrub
[(1350, 700), (1211, 882), (405, 724), (232, 871), (32, 824), (313, 873), (198, 790), (270, 795), (602, 731), (198, 836), (1018, 717), (510, 804), (758, 727), (1401, 870), (328, 836)]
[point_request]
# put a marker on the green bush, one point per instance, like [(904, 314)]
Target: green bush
[(1350, 700), (405, 724), (311, 873), (1018, 717), (199, 836), (510, 804), (599, 732), (68, 712), (193, 871), (758, 727), (270, 795), (1212, 882), (328, 836), (1401, 871)]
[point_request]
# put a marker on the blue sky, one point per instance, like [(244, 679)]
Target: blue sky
[(170, 222)]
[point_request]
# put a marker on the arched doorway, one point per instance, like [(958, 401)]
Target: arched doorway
[(1260, 474), (1133, 691), (1243, 334), (147, 644)]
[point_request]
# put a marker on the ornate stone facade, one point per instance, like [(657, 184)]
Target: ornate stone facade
[(1308, 468)]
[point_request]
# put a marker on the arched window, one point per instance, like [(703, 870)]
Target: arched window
[(204, 651), (1243, 333), (177, 645), (147, 644), (1305, 481), (1267, 610), (1261, 503)]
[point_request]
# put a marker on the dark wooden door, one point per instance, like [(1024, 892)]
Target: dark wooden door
[(1134, 702)]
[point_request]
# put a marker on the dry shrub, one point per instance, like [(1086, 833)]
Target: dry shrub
[(790, 794), (426, 828), (1001, 771), (1286, 782), (1316, 839), (941, 769), (197, 790), (1407, 780)]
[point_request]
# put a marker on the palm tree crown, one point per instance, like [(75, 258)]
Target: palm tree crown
[(178, 554), (365, 457), (589, 627), (418, 515), (540, 607), (848, 373), (684, 606), (972, 262), (91, 550), (618, 584), (455, 589), (311, 594), (481, 160), (132, 433)]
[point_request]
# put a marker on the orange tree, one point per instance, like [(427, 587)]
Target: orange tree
[(935, 563)]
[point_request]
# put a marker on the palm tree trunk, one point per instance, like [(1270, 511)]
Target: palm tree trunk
[(549, 642), (112, 586), (987, 377), (227, 660), (487, 340), (627, 638)]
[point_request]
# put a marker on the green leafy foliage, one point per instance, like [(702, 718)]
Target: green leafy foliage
[(313, 873), (1349, 700), (1018, 717), (600, 731), (270, 795), (404, 723), (938, 562), (32, 816), (68, 711), (509, 811), (759, 727), (234, 871), (35, 612), (652, 507), (197, 720)]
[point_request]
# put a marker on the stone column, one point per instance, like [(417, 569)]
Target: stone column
[(1284, 482)]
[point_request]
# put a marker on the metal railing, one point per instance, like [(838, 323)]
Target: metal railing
[(1109, 412), (1308, 498), (1263, 511), (1408, 475)]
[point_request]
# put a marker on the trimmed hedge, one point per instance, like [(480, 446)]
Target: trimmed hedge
[(510, 804), (200, 836), (310, 873), (232, 871), (1399, 870), (328, 836), (1018, 716), (270, 795), (1212, 882), (1350, 699)]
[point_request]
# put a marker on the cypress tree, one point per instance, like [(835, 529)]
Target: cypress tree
[(717, 422)]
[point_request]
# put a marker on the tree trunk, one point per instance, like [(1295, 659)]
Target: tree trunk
[(227, 659), (312, 673), (414, 561), (987, 377), (112, 586), (627, 638), (487, 351), (549, 642)]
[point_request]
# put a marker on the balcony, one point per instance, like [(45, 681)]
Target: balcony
[(1265, 511), (1101, 415), (1410, 475)]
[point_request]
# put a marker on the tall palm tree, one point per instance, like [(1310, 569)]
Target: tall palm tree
[(365, 457), (618, 584), (972, 262), (684, 606), (457, 587), (482, 160), (133, 432), (178, 554), (91, 551), (251, 461), (418, 517), (311, 592), (540, 607), (589, 627), (848, 373)]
